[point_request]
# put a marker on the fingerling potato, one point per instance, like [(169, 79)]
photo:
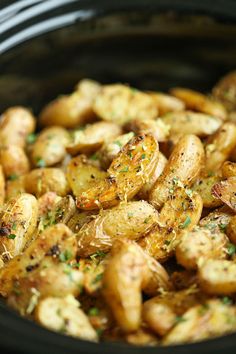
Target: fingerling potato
[(231, 230), (166, 103), (15, 124), (225, 91), (15, 186), (42, 180), (183, 165), (159, 129), (203, 186), (14, 161), (2, 186), (228, 169), (226, 192)]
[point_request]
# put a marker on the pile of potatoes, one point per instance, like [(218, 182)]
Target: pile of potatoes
[(118, 216)]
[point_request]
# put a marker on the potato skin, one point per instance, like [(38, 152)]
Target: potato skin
[(224, 91), (15, 187), (183, 165), (18, 223), (158, 128), (231, 230), (228, 169), (49, 147), (2, 186), (15, 124), (43, 180), (128, 220), (203, 186), (53, 242), (14, 161), (226, 192), (166, 103)]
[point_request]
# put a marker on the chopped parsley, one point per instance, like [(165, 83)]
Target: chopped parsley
[(40, 162), (222, 227), (98, 278), (31, 138), (11, 236), (13, 177), (143, 156), (179, 319), (14, 226), (94, 157), (186, 222), (65, 256), (94, 311), (117, 142), (97, 254), (226, 300), (231, 249), (125, 169)]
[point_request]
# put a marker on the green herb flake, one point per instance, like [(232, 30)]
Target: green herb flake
[(31, 138), (13, 177), (222, 227), (203, 309), (94, 311), (179, 319), (130, 215), (11, 236), (14, 226), (125, 169), (167, 242), (97, 254), (65, 256), (99, 331), (143, 156), (186, 222), (40, 162), (117, 142), (231, 249), (97, 278), (226, 300), (94, 157)]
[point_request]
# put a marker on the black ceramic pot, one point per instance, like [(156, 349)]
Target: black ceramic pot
[(47, 46)]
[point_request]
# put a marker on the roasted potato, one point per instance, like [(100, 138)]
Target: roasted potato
[(46, 202), (80, 218), (15, 186), (130, 220), (128, 172), (2, 186), (166, 103), (217, 220), (228, 169), (158, 128), (187, 122), (65, 316), (18, 223), (231, 230), (43, 180), (121, 104), (92, 137), (183, 167), (50, 147), (14, 161), (225, 91), (226, 192), (203, 187), (199, 102), (15, 124)]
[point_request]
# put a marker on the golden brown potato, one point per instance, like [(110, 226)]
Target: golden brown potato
[(49, 147), (82, 174), (14, 161), (128, 172), (126, 274), (211, 319), (187, 122), (65, 316), (46, 202), (231, 230), (199, 102), (128, 220), (145, 190), (49, 279), (203, 186), (18, 223), (162, 312), (183, 279), (225, 91), (217, 220), (79, 219), (217, 277), (88, 88), (219, 146), (110, 149), (183, 167), (43, 180), (92, 137), (226, 192), (199, 244), (120, 104), (56, 241), (93, 270), (15, 124), (166, 103), (2, 186), (182, 212), (15, 186), (142, 337), (159, 129), (228, 169)]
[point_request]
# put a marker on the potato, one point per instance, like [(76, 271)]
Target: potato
[(18, 223), (226, 192), (48, 279), (183, 167), (49, 147), (15, 124), (217, 276), (180, 213), (229, 169), (219, 146), (203, 186), (126, 274), (225, 91), (69, 111), (82, 174), (121, 104), (88, 88), (162, 312), (61, 212), (92, 137), (43, 180), (187, 122), (110, 149), (79, 219), (198, 102), (159, 129), (64, 316), (93, 270), (128, 220), (211, 319), (14, 161), (2, 186), (46, 203), (199, 244), (145, 190), (15, 186), (231, 230), (128, 172), (183, 279), (142, 337), (56, 241), (166, 103)]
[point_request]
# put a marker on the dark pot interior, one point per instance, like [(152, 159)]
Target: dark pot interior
[(149, 44)]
